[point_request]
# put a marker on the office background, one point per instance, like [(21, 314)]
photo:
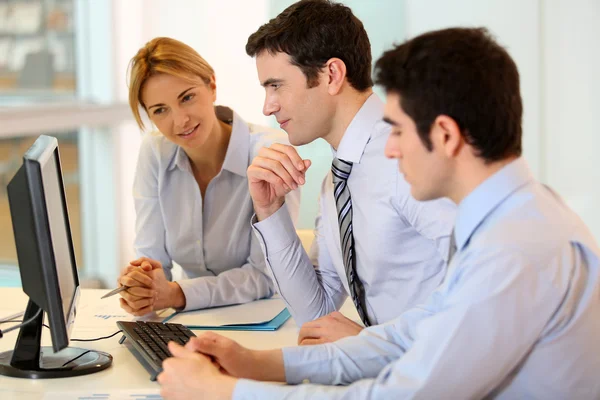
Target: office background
[(63, 72)]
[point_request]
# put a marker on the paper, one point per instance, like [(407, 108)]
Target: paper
[(106, 395), (107, 317), (95, 315), (256, 312)]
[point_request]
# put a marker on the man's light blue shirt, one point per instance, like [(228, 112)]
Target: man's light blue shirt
[(517, 316), (400, 243), (210, 238)]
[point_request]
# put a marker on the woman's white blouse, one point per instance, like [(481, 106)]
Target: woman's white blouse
[(210, 238)]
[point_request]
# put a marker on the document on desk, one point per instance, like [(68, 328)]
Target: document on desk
[(265, 314), (143, 394), (99, 316)]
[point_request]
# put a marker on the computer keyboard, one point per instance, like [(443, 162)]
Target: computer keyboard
[(148, 341)]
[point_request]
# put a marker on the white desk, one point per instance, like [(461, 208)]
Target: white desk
[(126, 373)]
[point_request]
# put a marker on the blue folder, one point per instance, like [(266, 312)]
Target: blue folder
[(271, 325)]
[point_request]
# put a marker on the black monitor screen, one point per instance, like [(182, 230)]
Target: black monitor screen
[(38, 209)]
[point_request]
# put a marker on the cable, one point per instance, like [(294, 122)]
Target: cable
[(13, 316), (11, 320), (20, 320), (93, 340), (72, 340), (73, 359), (12, 328)]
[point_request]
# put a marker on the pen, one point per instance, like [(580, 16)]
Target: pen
[(121, 288), (115, 291)]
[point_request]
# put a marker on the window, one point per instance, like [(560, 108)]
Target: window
[(37, 48), (11, 153)]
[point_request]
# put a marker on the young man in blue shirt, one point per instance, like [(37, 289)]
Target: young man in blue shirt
[(518, 313)]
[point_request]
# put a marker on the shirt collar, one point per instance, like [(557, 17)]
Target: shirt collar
[(358, 133), (179, 160), (236, 158), (487, 196)]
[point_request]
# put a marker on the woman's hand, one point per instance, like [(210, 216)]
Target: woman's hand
[(148, 288)]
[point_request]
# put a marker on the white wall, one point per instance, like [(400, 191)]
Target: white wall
[(555, 45), (218, 30), (571, 103), (128, 32)]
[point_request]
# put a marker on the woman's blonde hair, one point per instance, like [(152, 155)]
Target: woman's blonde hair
[(163, 55)]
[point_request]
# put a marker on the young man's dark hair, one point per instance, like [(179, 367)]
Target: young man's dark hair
[(327, 30), (464, 74)]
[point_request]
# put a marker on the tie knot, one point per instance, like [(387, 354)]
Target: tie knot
[(340, 169)]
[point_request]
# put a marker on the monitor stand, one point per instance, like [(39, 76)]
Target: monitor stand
[(30, 360)]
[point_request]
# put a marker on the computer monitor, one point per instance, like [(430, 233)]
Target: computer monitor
[(48, 269)]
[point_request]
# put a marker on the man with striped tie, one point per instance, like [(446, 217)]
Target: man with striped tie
[(374, 242)]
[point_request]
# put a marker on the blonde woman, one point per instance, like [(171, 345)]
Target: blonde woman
[(191, 190)]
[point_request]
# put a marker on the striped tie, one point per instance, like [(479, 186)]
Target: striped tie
[(341, 171)]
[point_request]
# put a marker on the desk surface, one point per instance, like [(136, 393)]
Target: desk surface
[(96, 319)]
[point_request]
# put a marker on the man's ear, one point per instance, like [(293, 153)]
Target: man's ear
[(446, 135), (335, 71)]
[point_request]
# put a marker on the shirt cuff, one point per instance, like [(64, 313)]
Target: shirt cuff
[(278, 230), (196, 294), (304, 364), (246, 389)]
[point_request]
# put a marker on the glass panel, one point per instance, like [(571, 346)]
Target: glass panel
[(37, 48), (11, 154)]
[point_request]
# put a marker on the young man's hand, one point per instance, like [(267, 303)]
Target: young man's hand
[(191, 375), (274, 172), (328, 329), (238, 361)]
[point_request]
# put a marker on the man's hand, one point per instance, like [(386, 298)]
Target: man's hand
[(149, 290), (238, 361), (191, 375), (328, 329), (274, 172)]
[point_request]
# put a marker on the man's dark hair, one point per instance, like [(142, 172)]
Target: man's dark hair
[(464, 74), (313, 31)]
